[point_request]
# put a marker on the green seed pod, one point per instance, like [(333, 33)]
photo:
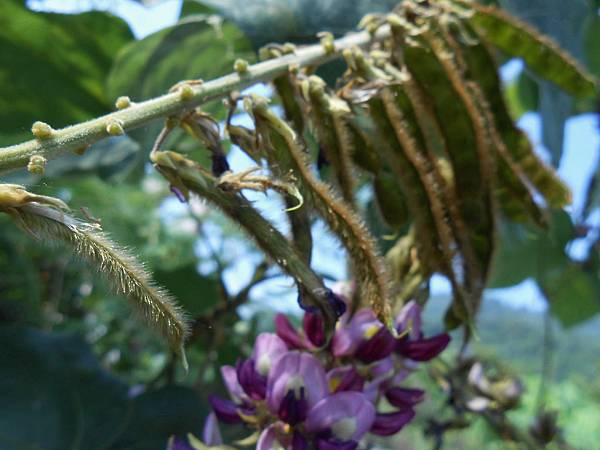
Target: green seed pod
[(366, 261), (481, 66), (540, 53), (392, 203)]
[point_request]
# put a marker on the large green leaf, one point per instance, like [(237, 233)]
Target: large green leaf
[(299, 20), (53, 67), (56, 396), (573, 295), (198, 47), (525, 251)]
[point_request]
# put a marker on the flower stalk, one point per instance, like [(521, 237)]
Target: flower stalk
[(139, 114)]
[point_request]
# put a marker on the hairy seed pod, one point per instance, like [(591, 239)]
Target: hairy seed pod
[(392, 203), (540, 53), (127, 276), (342, 220), (482, 67)]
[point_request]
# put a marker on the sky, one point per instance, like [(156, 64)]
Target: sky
[(581, 153)]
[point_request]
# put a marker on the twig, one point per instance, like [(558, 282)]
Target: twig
[(86, 133)]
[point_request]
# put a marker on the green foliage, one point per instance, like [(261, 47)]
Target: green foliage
[(60, 398), (55, 65), (198, 47)]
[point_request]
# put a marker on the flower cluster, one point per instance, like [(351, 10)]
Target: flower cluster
[(300, 392)]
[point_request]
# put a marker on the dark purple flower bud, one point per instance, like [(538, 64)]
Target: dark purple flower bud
[(226, 410), (268, 347), (301, 373), (219, 164), (345, 378), (211, 435), (387, 424), (253, 383), (344, 416), (404, 397), (423, 349), (333, 444), (314, 328), (322, 160), (293, 408), (380, 346), (178, 194), (286, 331), (337, 303)]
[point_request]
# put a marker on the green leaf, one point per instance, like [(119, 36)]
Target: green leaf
[(53, 67), (198, 47), (572, 295), (542, 55), (525, 251), (155, 416), (197, 294), (55, 395)]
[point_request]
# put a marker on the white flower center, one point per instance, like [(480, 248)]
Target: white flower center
[(295, 383), (263, 364), (344, 429)]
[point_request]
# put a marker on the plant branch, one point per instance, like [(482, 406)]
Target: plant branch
[(84, 134)]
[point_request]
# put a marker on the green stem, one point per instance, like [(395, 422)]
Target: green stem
[(139, 114)]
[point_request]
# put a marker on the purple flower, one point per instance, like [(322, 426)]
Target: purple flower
[(423, 349), (314, 328), (236, 392), (296, 382), (333, 444), (253, 383), (176, 443), (225, 410), (341, 417), (286, 331), (275, 437), (211, 435), (267, 349), (345, 378), (409, 320), (349, 336), (386, 424), (404, 397), (379, 346)]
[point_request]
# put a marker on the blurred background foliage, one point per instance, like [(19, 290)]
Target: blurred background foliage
[(77, 372)]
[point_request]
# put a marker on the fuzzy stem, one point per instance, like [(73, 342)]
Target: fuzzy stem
[(139, 114)]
